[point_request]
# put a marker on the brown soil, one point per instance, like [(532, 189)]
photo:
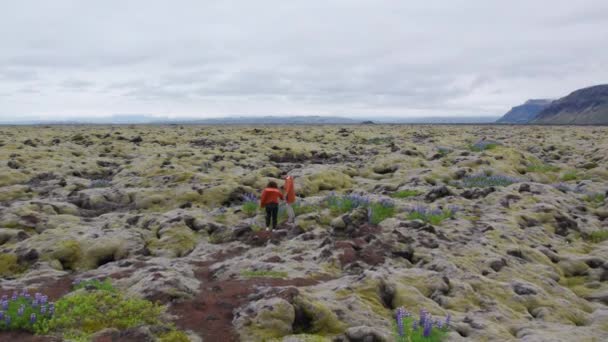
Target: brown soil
[(21, 336), (210, 314)]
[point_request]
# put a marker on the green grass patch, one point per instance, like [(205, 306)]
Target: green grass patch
[(250, 208), (542, 168), (264, 274), (596, 199), (483, 147), (406, 193), (379, 212), (434, 217), (598, 236), (569, 176)]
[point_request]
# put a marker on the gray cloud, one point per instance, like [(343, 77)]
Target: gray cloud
[(212, 58)]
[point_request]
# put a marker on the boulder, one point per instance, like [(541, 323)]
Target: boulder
[(437, 193)]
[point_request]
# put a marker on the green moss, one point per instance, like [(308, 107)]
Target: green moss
[(10, 177), (150, 202), (176, 241), (68, 253), (15, 192), (325, 180), (541, 168), (9, 265), (323, 320), (368, 293), (598, 236), (596, 199), (220, 237)]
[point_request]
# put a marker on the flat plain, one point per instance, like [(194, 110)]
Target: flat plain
[(504, 228)]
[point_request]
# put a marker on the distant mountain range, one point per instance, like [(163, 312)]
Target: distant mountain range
[(587, 106), (525, 113), (258, 120)]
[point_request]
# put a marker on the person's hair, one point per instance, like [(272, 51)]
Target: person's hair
[(272, 184)]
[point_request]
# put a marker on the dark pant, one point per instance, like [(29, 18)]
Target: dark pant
[(272, 211)]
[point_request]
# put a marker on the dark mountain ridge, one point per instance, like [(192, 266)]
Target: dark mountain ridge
[(587, 106)]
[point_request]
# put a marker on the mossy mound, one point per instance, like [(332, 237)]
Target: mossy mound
[(328, 180), (175, 241)]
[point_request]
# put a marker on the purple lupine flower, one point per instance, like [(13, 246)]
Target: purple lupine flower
[(1, 315), (401, 314), (42, 309), (5, 304), (423, 317), (447, 320), (15, 296), (4, 297), (20, 310), (428, 327), (33, 318), (415, 326)]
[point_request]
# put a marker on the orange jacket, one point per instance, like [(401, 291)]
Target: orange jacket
[(290, 191), (270, 195)]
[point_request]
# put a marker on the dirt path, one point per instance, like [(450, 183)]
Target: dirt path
[(210, 314)]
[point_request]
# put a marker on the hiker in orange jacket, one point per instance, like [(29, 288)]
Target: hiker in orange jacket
[(270, 200), (290, 198)]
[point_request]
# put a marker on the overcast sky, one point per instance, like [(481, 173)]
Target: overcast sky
[(209, 58)]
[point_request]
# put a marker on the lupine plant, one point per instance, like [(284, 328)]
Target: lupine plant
[(425, 328), (22, 311), (346, 203), (379, 211), (250, 204), (483, 145), (376, 211), (483, 180), (431, 215)]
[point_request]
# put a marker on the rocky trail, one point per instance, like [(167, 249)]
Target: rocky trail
[(211, 313)]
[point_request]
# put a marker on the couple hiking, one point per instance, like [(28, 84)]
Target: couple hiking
[(270, 200)]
